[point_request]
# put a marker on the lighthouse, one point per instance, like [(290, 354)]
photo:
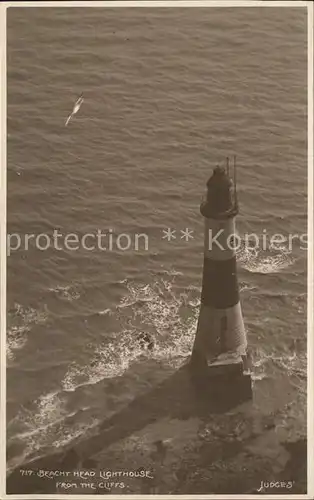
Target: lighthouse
[(220, 346)]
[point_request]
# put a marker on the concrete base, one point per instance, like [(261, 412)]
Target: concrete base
[(222, 379), (232, 365)]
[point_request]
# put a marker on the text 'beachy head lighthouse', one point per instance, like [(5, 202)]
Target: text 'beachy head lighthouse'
[(221, 337)]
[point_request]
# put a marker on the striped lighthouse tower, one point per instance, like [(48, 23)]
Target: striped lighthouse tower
[(220, 345)]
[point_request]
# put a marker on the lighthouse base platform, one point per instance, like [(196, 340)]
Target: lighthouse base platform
[(226, 377)]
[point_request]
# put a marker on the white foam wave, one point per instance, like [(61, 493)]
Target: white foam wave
[(167, 316), (70, 434), (294, 364), (49, 408), (44, 428), (170, 272), (105, 312), (109, 361), (35, 426), (68, 292), (194, 303), (255, 260), (20, 321), (245, 287), (16, 339), (153, 308)]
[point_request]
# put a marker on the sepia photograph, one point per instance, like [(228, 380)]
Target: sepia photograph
[(157, 194)]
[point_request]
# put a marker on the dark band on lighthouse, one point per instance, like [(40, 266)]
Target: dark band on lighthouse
[(220, 285)]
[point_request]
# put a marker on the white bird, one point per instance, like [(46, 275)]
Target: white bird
[(76, 107)]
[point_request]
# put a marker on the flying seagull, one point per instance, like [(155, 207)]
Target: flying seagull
[(76, 107)]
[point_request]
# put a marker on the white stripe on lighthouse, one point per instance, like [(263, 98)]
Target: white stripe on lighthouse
[(218, 240)]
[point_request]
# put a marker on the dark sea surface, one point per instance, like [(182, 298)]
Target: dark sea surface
[(168, 93)]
